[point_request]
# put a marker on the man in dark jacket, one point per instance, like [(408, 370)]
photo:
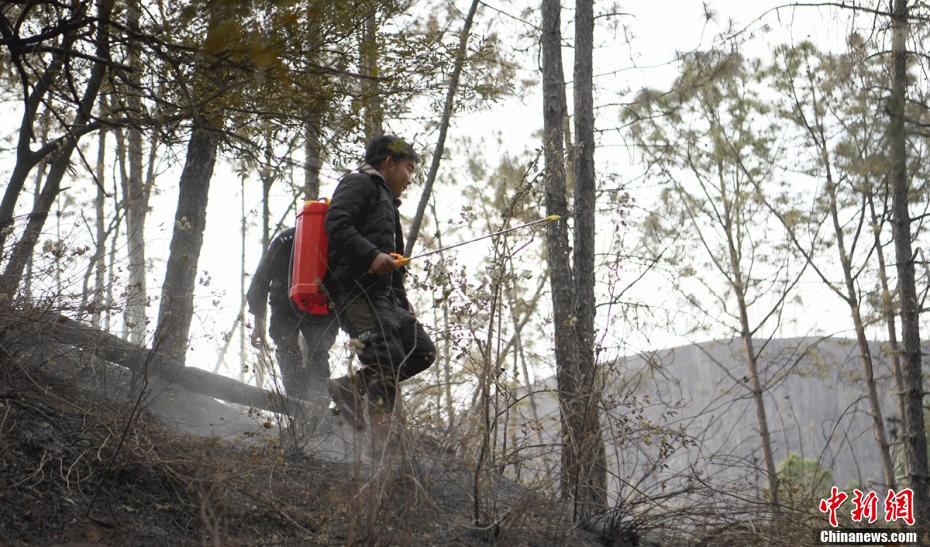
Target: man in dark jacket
[(366, 287), (270, 286)]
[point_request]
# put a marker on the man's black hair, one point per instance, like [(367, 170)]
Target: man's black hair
[(389, 146)]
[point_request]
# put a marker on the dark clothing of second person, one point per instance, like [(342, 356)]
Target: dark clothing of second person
[(363, 221), (270, 282), (270, 286)]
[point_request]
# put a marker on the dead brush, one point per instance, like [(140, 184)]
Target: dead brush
[(382, 507)]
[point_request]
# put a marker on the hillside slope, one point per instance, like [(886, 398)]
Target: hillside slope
[(79, 466)]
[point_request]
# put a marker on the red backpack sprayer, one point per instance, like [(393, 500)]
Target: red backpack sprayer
[(311, 247)]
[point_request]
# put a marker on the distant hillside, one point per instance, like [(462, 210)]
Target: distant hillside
[(814, 400)]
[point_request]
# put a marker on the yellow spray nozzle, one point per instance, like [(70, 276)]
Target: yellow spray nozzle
[(400, 259), (553, 218)]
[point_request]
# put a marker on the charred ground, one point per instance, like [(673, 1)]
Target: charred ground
[(77, 467)]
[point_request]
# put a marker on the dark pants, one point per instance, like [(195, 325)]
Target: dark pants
[(319, 332), (395, 347)]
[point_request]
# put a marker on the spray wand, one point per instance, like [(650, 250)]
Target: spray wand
[(402, 260)]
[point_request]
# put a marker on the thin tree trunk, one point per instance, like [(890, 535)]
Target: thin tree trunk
[(865, 356), (267, 176), (910, 307), (266, 213), (753, 365), (447, 347), (111, 268), (569, 147), (731, 226), (100, 265), (591, 488), (95, 263), (312, 157), (449, 105), (135, 194), (313, 131), (437, 372), (40, 177), (490, 362), (58, 241), (888, 313), (368, 61), (243, 353)]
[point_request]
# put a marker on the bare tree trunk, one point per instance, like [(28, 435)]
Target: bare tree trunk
[(731, 223), (910, 307), (243, 352), (100, 265), (266, 174), (313, 130), (889, 315), (312, 157), (592, 483), (581, 473), (177, 297), (135, 195), (266, 211), (111, 268), (447, 347), (753, 366), (449, 105), (368, 63), (865, 356), (96, 266), (58, 285), (569, 147), (177, 294), (40, 177)]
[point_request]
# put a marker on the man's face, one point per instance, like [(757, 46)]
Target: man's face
[(397, 174)]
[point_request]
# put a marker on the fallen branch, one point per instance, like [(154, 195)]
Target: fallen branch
[(111, 348)]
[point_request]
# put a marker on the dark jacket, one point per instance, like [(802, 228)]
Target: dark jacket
[(271, 280), (362, 221)]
